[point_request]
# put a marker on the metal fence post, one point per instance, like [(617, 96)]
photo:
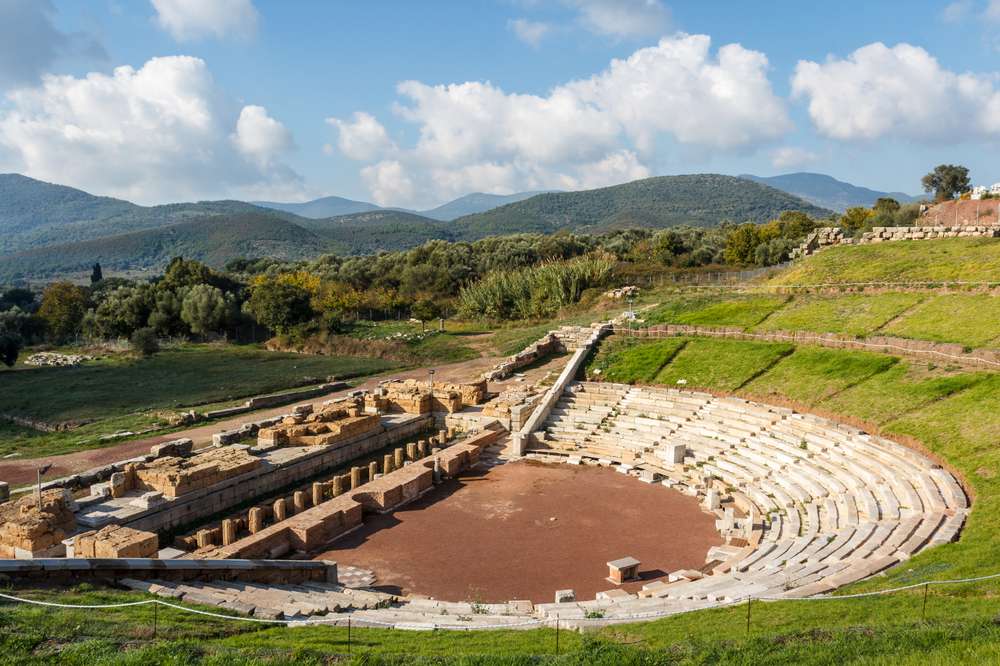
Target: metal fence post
[(557, 636), (749, 599), (155, 607), (923, 607)]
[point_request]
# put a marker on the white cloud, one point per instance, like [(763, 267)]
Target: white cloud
[(162, 132), (623, 18), (992, 12), (260, 136), (598, 131), (901, 91), (197, 19), (958, 11), (364, 138), (791, 157), (529, 32), (30, 43)]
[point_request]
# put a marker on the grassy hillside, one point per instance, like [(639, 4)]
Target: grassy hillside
[(36, 214), (700, 200), (370, 232), (949, 259), (213, 240)]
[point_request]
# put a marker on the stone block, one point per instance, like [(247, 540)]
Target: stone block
[(565, 596)]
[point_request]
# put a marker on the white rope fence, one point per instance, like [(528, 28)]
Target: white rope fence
[(339, 622)]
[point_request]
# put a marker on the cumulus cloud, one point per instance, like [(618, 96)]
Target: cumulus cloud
[(529, 32), (363, 138), (187, 20), (260, 136), (602, 130), (30, 43), (623, 18), (900, 91), (162, 132), (791, 157)]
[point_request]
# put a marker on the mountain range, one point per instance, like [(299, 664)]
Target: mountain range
[(48, 230), (477, 202), (828, 192)]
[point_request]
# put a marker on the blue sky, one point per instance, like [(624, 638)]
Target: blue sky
[(290, 100)]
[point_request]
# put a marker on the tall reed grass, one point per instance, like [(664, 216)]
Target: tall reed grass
[(536, 291)]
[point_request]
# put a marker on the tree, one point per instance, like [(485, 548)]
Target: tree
[(10, 347), (145, 342), (741, 244), (96, 274), (886, 206), (856, 219), (17, 297), (205, 309), (279, 305), (947, 181), (63, 307)]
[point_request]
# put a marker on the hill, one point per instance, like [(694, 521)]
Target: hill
[(477, 202), (320, 208), (826, 191), (946, 259), (383, 229), (664, 201), (213, 240), (34, 213)]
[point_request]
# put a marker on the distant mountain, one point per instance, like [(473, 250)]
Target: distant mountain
[(69, 230), (664, 201), (320, 208), (34, 214), (477, 202), (213, 240), (827, 191)]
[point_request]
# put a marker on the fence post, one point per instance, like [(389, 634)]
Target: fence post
[(348, 635), (557, 637), (155, 607), (923, 607), (749, 599)]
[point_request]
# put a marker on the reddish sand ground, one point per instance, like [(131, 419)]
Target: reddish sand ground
[(524, 530)]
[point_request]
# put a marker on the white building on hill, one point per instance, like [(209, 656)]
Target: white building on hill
[(979, 191)]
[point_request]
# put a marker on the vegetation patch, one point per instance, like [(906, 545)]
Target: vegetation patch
[(632, 360), (812, 374), (743, 312), (968, 319), (721, 364), (855, 314), (940, 260)]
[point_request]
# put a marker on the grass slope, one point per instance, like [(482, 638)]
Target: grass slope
[(949, 259), (855, 314), (721, 364), (744, 312), (969, 319)]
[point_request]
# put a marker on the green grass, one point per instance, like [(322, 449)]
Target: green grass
[(855, 314), (904, 388), (123, 393), (705, 311), (949, 259), (968, 319), (721, 364), (632, 360), (813, 374)]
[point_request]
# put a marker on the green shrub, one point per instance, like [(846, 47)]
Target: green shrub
[(145, 342)]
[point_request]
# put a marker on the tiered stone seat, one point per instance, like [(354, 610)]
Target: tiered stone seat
[(835, 504)]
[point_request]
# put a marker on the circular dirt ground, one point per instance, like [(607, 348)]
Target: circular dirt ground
[(523, 530)]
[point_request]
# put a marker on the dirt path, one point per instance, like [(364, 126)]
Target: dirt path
[(524, 530), (22, 471)]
